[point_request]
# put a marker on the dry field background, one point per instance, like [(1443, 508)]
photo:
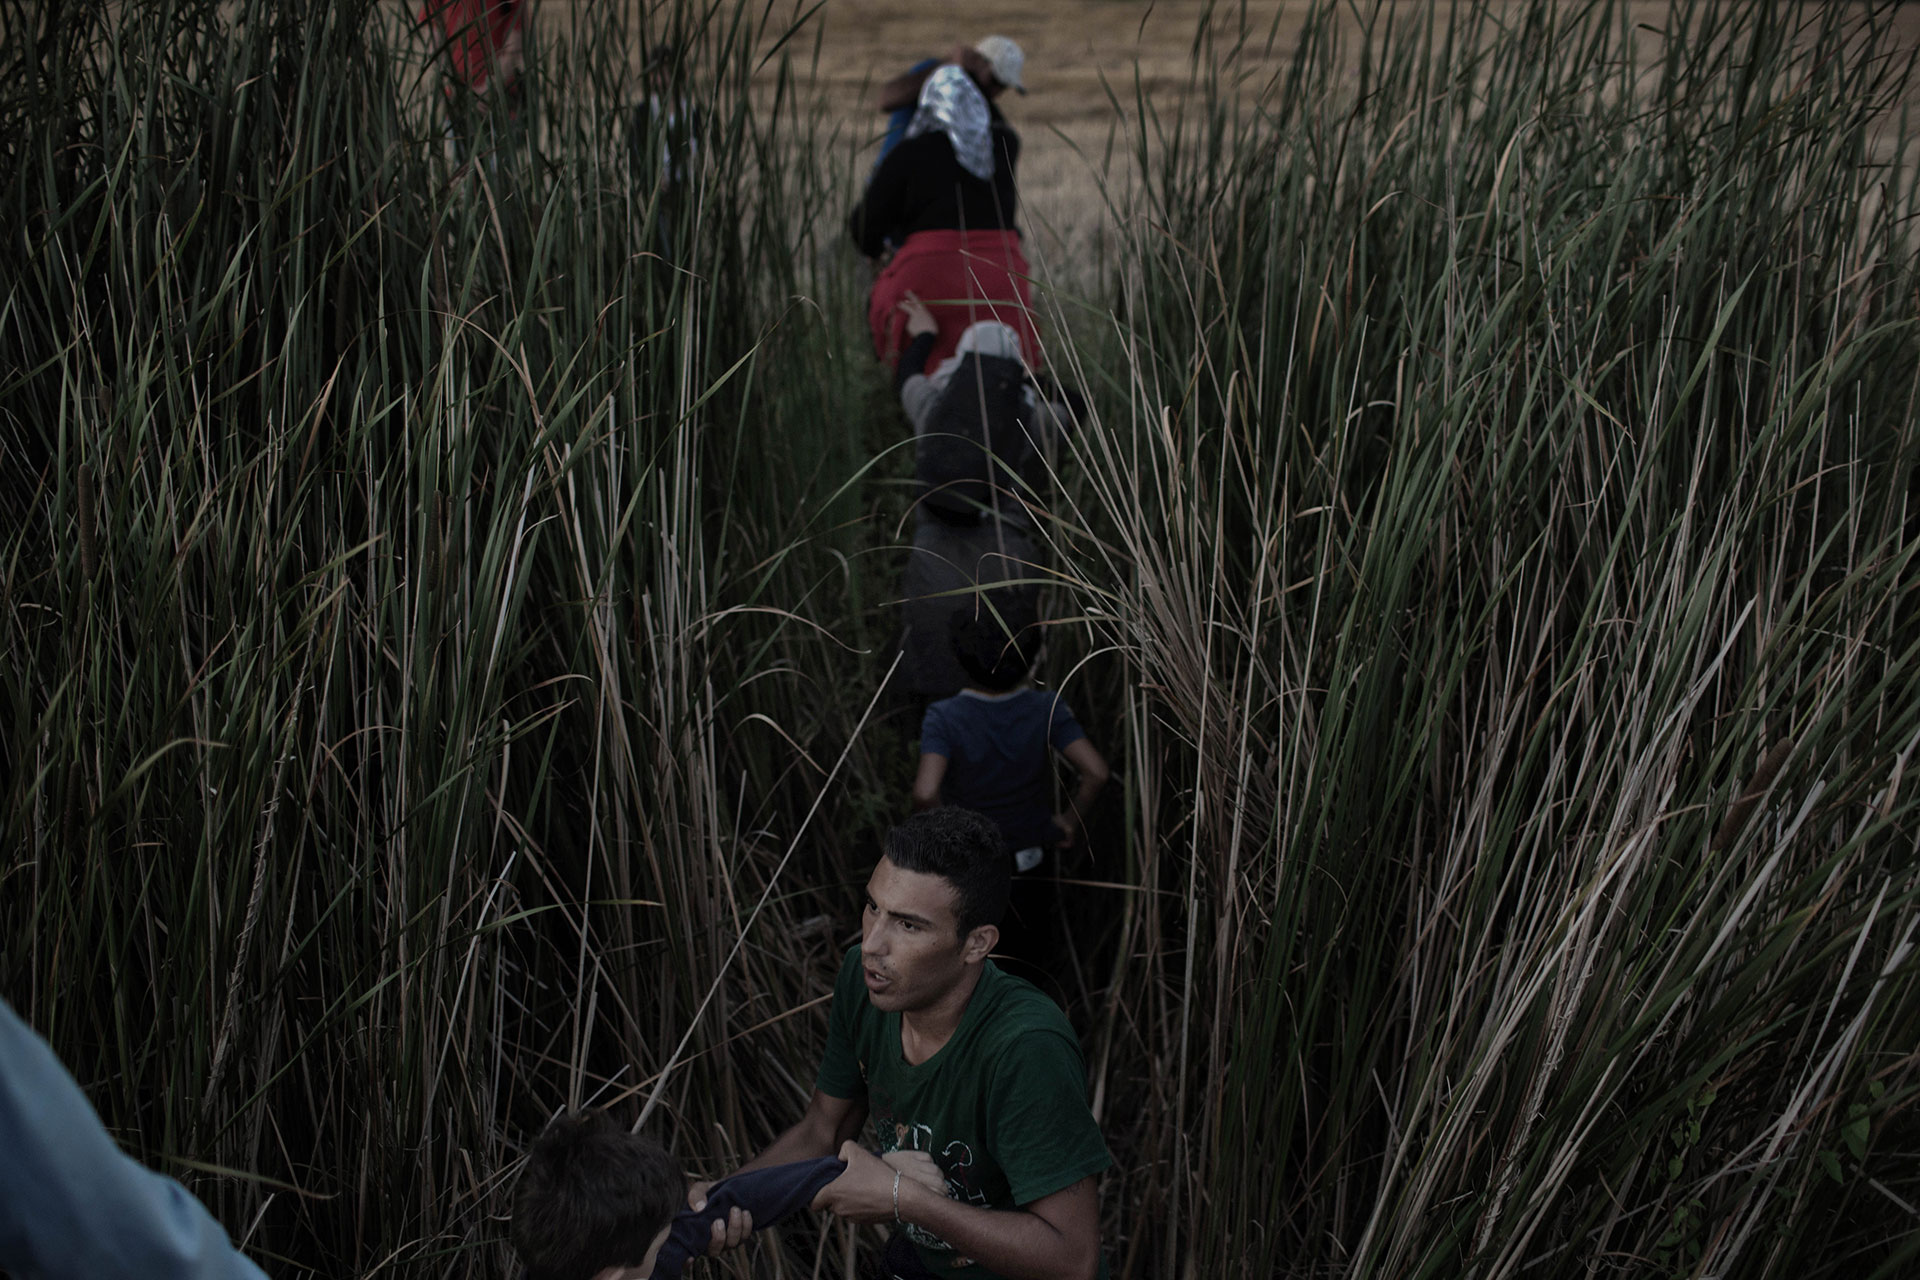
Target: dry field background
[(1081, 55)]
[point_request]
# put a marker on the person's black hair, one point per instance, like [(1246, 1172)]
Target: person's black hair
[(963, 848), (593, 1196), (995, 649)]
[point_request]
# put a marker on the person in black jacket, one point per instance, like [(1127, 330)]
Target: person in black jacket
[(940, 209), (965, 552), (922, 185)]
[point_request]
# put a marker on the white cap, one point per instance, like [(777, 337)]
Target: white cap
[(989, 338), (1004, 56)]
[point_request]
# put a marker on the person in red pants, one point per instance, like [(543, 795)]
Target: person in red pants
[(940, 211)]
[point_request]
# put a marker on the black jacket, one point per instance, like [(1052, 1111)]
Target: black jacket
[(920, 186)]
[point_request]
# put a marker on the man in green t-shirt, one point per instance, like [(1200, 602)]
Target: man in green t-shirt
[(952, 1058)]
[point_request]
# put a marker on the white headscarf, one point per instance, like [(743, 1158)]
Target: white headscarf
[(989, 338), (951, 103)]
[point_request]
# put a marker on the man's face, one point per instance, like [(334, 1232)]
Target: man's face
[(910, 943)]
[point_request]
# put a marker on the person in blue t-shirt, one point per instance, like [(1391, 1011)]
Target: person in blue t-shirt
[(990, 748)]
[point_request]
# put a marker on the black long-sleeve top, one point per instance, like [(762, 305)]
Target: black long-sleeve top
[(913, 360), (920, 186)]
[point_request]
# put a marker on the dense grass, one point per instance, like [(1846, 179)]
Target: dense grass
[(445, 580), (412, 589), (1520, 587)]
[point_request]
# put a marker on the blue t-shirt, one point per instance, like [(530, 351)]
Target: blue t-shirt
[(996, 745)]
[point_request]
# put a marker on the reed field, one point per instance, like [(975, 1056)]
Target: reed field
[(447, 578)]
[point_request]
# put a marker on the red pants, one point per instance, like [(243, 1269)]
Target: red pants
[(963, 277)]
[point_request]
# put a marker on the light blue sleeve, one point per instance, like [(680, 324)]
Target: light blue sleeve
[(72, 1204)]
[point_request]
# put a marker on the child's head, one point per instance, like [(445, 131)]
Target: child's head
[(994, 651), (594, 1197)]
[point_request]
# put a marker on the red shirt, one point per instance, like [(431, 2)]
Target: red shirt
[(476, 29)]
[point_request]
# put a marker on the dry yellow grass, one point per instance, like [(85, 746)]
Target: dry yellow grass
[(1075, 50)]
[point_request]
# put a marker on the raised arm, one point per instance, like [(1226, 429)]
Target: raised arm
[(1057, 1237), (904, 89), (922, 330)]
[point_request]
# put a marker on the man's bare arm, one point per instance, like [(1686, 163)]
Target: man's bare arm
[(1092, 766), (1057, 1237), (903, 90), (827, 1123)]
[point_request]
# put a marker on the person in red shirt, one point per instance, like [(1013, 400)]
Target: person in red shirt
[(484, 39)]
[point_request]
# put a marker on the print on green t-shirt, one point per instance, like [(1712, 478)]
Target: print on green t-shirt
[(1001, 1108)]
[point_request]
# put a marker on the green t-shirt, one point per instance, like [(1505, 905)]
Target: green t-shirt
[(1002, 1107)]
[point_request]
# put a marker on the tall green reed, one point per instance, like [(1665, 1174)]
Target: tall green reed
[(1506, 513), (426, 523)]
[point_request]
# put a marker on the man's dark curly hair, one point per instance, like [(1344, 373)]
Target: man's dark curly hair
[(593, 1196), (964, 849)]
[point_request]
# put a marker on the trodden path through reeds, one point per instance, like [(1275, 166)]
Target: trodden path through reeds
[(445, 576)]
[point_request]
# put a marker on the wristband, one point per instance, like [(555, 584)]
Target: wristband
[(896, 1195)]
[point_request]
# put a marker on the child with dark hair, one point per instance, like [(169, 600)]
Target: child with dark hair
[(599, 1202), (990, 748), (595, 1201)]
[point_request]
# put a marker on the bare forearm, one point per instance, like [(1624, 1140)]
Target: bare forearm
[(1092, 767), (901, 91), (814, 1136), (932, 772), (1013, 1242), (1085, 795), (797, 1143)]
